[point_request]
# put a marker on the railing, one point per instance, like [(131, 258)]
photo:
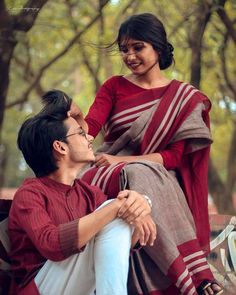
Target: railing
[(222, 258)]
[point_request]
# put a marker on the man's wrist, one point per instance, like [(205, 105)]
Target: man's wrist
[(148, 200), (119, 203)]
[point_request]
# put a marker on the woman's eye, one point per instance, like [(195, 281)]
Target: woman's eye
[(138, 48), (123, 49)]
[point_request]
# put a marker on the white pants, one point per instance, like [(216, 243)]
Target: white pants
[(103, 266)]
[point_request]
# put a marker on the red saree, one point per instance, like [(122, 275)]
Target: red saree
[(144, 124)]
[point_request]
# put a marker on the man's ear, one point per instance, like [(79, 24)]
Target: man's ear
[(59, 146)]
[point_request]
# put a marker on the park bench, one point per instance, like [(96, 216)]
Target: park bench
[(222, 258)]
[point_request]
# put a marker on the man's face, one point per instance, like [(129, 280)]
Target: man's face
[(79, 143)]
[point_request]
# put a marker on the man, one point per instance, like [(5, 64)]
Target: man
[(60, 244)]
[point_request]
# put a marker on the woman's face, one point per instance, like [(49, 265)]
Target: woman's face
[(138, 56)]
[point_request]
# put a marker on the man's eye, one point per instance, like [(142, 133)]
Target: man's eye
[(82, 132)]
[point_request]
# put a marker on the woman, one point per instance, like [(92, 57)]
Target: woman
[(160, 129), (157, 141)]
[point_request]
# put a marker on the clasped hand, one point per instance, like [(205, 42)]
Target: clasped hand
[(136, 211)]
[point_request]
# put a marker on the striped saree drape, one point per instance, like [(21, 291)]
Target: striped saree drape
[(146, 124)]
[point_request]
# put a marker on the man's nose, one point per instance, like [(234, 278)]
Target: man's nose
[(89, 137)]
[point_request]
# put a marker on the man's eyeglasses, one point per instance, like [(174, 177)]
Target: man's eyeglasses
[(79, 132)]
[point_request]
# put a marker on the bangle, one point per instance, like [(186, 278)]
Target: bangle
[(148, 200)]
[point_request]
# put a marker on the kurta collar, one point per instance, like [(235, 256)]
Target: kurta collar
[(58, 186)]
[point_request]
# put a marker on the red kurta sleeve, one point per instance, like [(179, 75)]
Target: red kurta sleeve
[(173, 154), (53, 242), (101, 107)]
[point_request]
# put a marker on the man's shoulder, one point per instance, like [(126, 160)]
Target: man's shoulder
[(29, 184)]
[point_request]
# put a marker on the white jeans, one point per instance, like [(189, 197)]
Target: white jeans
[(103, 266)]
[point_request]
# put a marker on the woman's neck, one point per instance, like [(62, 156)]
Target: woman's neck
[(152, 79)]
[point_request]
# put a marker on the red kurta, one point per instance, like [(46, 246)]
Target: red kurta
[(43, 224)]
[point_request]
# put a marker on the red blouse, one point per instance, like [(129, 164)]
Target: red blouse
[(43, 224), (117, 88)]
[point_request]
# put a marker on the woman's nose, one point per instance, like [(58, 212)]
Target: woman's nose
[(131, 56)]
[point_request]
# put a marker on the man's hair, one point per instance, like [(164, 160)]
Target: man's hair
[(56, 101), (37, 134)]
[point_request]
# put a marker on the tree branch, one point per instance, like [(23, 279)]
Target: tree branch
[(26, 18), (226, 20), (224, 67), (231, 165), (195, 39), (55, 58)]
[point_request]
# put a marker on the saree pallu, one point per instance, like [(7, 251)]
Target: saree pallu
[(146, 124)]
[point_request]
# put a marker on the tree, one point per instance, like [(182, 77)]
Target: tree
[(64, 48), (9, 26)]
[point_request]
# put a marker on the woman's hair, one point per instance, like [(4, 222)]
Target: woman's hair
[(148, 28)]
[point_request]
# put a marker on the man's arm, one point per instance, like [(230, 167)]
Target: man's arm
[(136, 210), (92, 223), (144, 227), (56, 241)]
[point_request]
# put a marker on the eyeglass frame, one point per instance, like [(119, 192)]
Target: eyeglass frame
[(81, 132)]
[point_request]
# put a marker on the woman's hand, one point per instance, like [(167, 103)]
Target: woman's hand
[(134, 208), (76, 113), (105, 159)]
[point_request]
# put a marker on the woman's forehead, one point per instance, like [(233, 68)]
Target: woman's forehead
[(127, 41)]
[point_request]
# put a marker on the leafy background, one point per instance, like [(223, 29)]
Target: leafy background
[(54, 45)]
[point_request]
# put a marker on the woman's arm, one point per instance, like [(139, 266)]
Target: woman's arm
[(105, 159), (170, 157), (101, 108)]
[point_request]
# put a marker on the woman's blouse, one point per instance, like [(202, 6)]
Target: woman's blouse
[(118, 88)]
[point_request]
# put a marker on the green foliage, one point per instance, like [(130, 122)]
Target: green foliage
[(57, 24)]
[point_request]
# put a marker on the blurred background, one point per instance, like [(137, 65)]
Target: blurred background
[(61, 44)]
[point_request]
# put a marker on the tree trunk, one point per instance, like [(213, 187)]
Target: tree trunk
[(216, 186), (195, 41), (9, 25)]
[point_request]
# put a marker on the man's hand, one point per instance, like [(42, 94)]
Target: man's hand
[(105, 159), (145, 231), (134, 208)]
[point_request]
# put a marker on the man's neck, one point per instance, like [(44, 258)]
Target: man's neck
[(65, 175)]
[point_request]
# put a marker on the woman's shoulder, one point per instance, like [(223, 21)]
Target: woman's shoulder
[(113, 80), (190, 86), (111, 83)]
